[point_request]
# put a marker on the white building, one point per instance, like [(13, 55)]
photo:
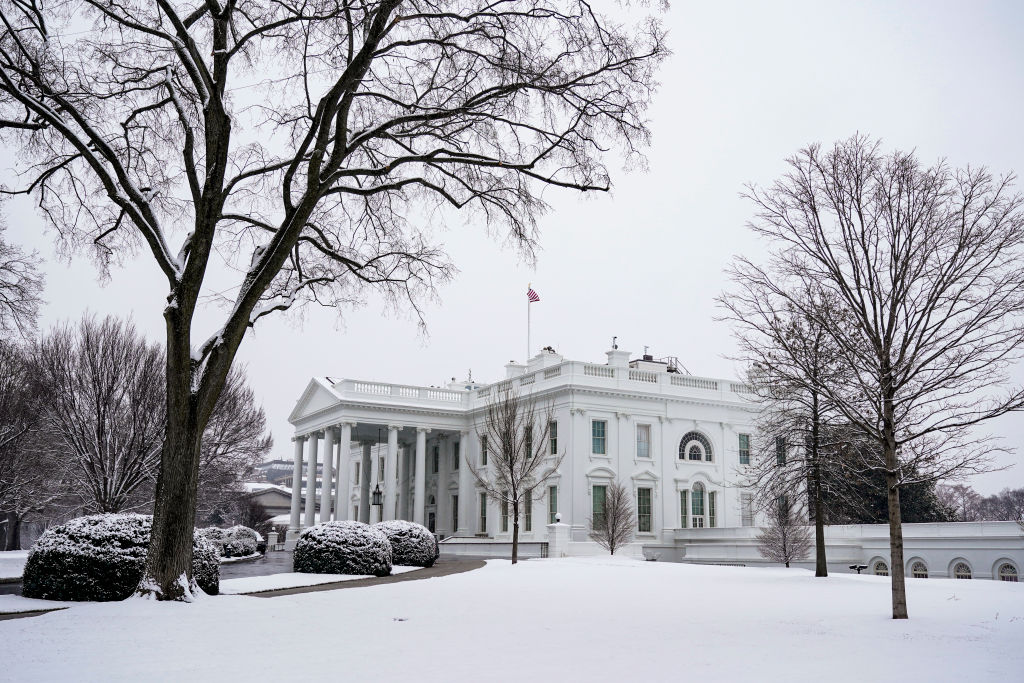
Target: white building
[(679, 443), (674, 439)]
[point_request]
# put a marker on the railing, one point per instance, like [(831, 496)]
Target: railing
[(527, 379), (553, 372), (695, 382), (741, 388), (598, 371), (643, 376)]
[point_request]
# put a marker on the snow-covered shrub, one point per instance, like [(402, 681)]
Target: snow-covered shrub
[(412, 544), (343, 548), (237, 541), (101, 557)]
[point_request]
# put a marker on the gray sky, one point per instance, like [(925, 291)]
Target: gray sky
[(749, 84)]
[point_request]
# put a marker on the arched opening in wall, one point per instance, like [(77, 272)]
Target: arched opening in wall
[(1007, 572), (696, 447), (880, 568), (962, 570), (919, 570), (432, 514)]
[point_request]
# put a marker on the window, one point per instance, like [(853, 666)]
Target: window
[(684, 510), (744, 449), (504, 512), (643, 441), (483, 451), (697, 506), (598, 496), (598, 434), (435, 460), (455, 513), (962, 570), (881, 569), (355, 512), (483, 513), (919, 570), (552, 504), (528, 433), (711, 509), (456, 447), (357, 474), (553, 437), (380, 469), (695, 446), (1007, 572), (528, 510), (643, 510), (780, 450), (747, 509)]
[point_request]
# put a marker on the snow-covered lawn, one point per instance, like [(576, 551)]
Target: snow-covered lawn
[(595, 619), (12, 563), (251, 584)]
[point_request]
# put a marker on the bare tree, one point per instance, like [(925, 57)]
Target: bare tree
[(962, 499), (519, 460), (105, 408), (790, 358), (786, 539), (613, 527), (927, 269), (293, 141), (21, 288), (105, 404)]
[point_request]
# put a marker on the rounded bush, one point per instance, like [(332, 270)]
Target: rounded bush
[(412, 544), (236, 541), (343, 548), (101, 558)]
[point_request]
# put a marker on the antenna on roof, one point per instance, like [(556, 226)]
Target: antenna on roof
[(614, 345)]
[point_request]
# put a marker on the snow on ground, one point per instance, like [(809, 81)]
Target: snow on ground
[(11, 604), (12, 563), (594, 619), (251, 584)]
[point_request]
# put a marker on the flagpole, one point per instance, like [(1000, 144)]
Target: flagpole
[(528, 302)]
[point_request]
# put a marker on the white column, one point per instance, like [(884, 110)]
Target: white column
[(328, 484), (364, 484), (403, 481), (293, 525), (314, 443), (444, 518), (390, 474), (420, 483), (467, 493), (342, 495)]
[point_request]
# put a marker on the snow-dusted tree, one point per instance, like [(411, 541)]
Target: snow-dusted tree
[(105, 408), (613, 526), (926, 266), (21, 289), (519, 459), (302, 142), (790, 357), (786, 538)]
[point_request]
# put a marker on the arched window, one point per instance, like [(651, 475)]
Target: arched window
[(962, 570), (697, 506), (919, 570), (1007, 572), (695, 446), (881, 569)]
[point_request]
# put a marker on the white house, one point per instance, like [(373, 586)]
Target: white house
[(674, 439)]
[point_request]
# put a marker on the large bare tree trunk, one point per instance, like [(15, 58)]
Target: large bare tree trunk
[(892, 482), (820, 561)]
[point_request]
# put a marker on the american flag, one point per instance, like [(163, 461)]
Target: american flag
[(532, 295)]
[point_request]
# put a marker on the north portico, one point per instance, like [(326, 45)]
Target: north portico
[(675, 440)]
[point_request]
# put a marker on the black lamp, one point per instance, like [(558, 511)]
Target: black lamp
[(378, 499)]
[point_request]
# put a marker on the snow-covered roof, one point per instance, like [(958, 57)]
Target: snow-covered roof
[(259, 486)]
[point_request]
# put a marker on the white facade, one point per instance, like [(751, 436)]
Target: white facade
[(672, 438)]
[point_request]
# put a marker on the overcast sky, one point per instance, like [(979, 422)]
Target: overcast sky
[(749, 84)]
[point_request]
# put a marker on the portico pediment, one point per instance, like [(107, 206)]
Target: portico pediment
[(317, 396)]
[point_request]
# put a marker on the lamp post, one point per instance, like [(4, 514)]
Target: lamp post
[(378, 500)]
